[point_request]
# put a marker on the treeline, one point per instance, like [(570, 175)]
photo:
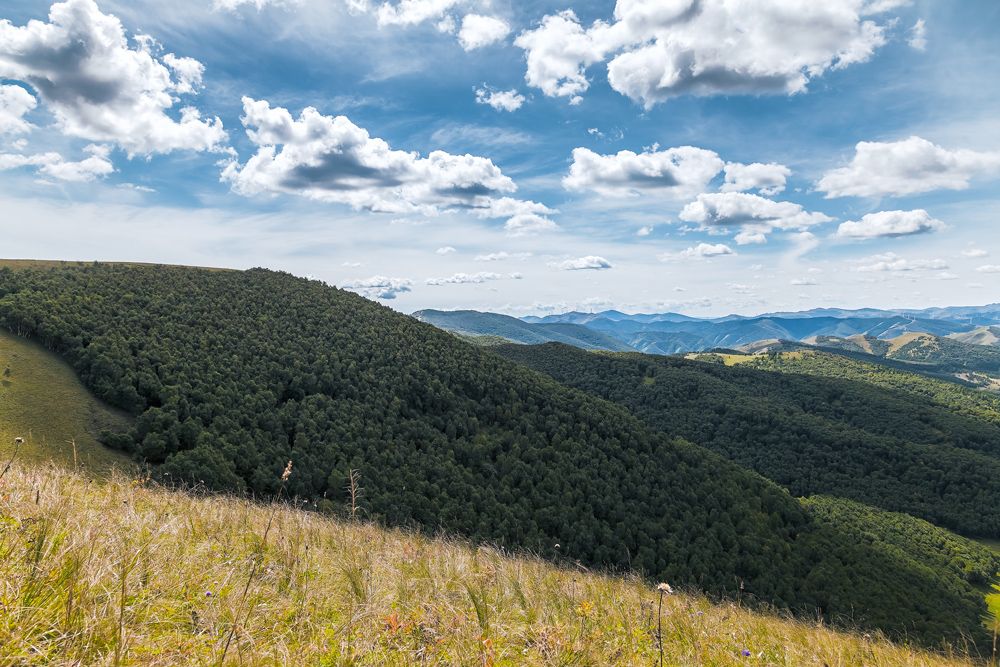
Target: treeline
[(231, 374), (809, 433)]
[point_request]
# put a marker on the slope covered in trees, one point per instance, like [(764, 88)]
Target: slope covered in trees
[(231, 374), (811, 434)]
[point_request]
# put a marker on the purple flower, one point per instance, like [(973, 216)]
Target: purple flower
[(745, 652)]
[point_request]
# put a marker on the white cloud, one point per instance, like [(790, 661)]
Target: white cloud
[(803, 282), (100, 88), (379, 287), (590, 262), (664, 48), (465, 278), (413, 12), (975, 252), (802, 244), (890, 223), (502, 256), (478, 31), (989, 268), (891, 262), (528, 224), (906, 167), (918, 35), (675, 173), (881, 6), (700, 251), (750, 237), (558, 53), (15, 102), (54, 165), (754, 215), (501, 100), (767, 179), (331, 159), (645, 230), (445, 250)]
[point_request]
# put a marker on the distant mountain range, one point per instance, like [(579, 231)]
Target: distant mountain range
[(672, 333)]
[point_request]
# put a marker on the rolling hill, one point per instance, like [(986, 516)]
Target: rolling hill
[(672, 333), (979, 336), (944, 354), (812, 434), (231, 374), (475, 323)]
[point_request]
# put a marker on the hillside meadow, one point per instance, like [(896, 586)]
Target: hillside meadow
[(121, 572)]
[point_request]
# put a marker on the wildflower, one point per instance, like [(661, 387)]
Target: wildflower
[(745, 653), (288, 472), (665, 588), (18, 441), (209, 594)]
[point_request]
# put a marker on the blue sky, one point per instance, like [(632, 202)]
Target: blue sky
[(693, 155)]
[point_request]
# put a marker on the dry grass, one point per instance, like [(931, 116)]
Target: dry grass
[(115, 572)]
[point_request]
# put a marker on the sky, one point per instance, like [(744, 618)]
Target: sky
[(698, 156)]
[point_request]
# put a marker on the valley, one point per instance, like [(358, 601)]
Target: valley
[(793, 489)]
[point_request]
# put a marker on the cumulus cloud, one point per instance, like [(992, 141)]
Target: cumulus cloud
[(700, 251), (756, 216), (590, 262), (909, 166), (98, 165), (465, 278), (528, 224), (478, 31), (767, 179), (891, 262), (445, 250), (803, 282), (989, 268), (331, 159), (501, 100), (15, 103), (379, 287), (674, 173), (657, 49), (890, 223), (975, 252), (101, 88)]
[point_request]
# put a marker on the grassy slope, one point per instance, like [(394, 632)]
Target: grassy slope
[(160, 577), (42, 401)]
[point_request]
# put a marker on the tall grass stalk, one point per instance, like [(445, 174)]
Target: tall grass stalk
[(255, 568)]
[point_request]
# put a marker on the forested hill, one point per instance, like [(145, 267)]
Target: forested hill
[(231, 374), (883, 446)]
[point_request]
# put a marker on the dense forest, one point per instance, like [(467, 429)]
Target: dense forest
[(231, 374), (811, 434), (951, 396)]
